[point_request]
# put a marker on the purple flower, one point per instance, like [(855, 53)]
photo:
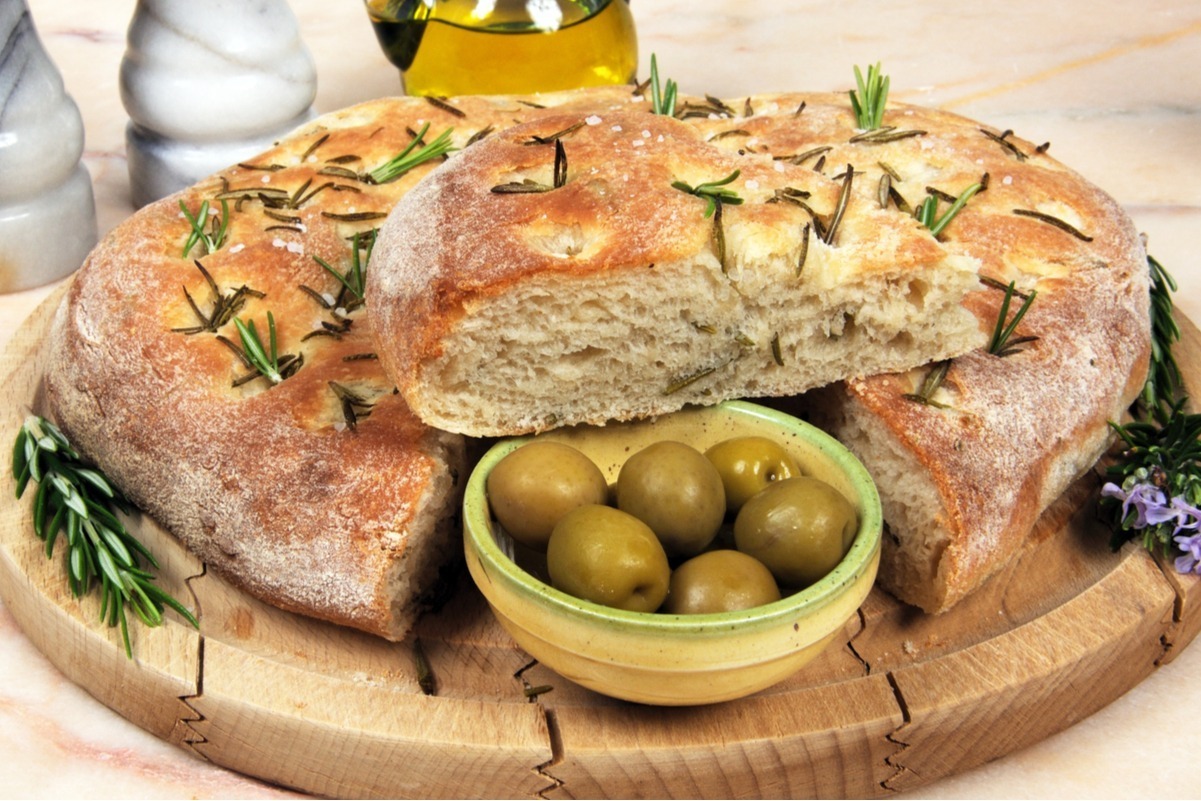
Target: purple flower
[(1147, 499), (1152, 508), (1189, 560)]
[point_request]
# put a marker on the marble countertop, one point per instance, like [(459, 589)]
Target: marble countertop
[(1113, 86)]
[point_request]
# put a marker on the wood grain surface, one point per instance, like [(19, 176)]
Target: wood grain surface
[(900, 700)]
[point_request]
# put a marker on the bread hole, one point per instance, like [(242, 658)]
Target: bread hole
[(841, 325), (916, 294), (585, 354)]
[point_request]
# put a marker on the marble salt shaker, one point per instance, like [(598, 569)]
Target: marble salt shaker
[(47, 208), (207, 85)]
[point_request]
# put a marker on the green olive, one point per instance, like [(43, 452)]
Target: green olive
[(748, 464), (606, 556), (676, 491), (720, 581), (800, 528), (534, 486)]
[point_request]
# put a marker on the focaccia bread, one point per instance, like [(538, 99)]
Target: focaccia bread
[(561, 273), (322, 494), (325, 494), (607, 298)]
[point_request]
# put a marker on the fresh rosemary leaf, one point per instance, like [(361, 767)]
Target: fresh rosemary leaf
[(76, 499), (713, 192), (412, 156), (264, 359), (663, 98), (1164, 381), (204, 230), (868, 103), (927, 211), (1000, 343), (354, 280)]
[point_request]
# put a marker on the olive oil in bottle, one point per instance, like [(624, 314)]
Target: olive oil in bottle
[(458, 47)]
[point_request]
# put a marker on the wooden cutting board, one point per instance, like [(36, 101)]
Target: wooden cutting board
[(902, 699)]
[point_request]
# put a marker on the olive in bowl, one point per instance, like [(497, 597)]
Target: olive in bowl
[(660, 657)]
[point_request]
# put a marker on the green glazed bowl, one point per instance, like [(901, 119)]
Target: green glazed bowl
[(664, 659)]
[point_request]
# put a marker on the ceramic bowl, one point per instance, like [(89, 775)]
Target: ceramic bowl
[(665, 659)]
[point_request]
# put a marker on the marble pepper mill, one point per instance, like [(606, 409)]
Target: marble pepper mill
[(47, 208), (207, 85)]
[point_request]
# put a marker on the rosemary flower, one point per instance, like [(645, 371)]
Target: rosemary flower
[(1169, 522), (1189, 560)]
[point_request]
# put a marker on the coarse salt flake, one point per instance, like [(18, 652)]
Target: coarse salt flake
[(266, 179), (238, 248), (295, 247), (1007, 180), (752, 184), (592, 120), (616, 128), (278, 243), (638, 142), (646, 134)]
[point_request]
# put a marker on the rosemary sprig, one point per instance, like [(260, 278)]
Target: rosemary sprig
[(79, 500), (413, 155), (205, 230), (1164, 382), (927, 211), (1155, 492), (868, 104), (225, 305), (663, 98), (354, 280), (713, 192), (1156, 489), (265, 359), (1001, 343)]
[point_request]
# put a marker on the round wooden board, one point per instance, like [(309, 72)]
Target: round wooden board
[(902, 699)]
